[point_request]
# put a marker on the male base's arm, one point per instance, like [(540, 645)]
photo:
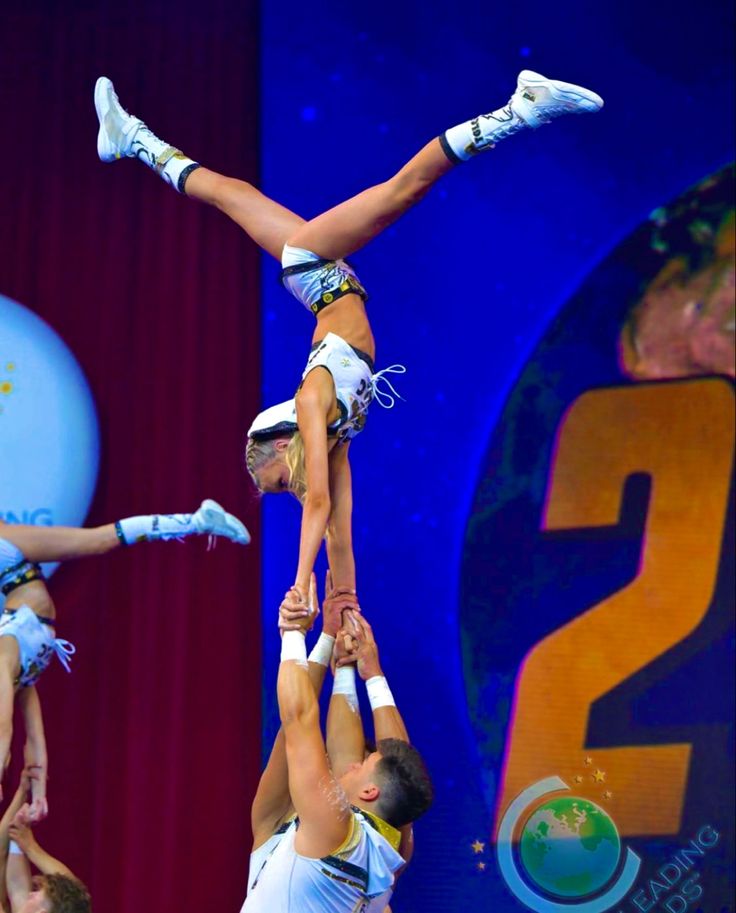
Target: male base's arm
[(272, 802), (323, 810), (21, 832)]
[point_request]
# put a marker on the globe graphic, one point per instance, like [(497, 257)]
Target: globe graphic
[(49, 437), (570, 847)]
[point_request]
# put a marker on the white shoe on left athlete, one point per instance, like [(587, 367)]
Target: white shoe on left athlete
[(538, 100), (117, 127), (212, 519)]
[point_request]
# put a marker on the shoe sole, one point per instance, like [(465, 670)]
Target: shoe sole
[(106, 151), (561, 91), (102, 106), (211, 510)]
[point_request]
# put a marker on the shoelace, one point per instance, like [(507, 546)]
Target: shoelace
[(384, 397), (508, 129), (501, 129), (64, 650)]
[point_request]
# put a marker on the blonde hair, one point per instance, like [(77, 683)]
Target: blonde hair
[(294, 459), (258, 453)]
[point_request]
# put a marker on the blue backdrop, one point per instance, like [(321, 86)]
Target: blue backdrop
[(462, 290)]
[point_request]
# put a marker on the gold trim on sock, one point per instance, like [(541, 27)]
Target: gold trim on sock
[(162, 160)]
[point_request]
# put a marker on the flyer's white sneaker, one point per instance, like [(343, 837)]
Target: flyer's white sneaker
[(538, 100), (117, 127), (210, 518)]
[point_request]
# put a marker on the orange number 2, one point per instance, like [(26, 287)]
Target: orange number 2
[(682, 435)]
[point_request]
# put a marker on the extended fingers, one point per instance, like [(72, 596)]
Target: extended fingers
[(362, 626), (351, 620), (291, 612)]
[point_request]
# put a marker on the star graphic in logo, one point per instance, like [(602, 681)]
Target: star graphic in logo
[(477, 846), (608, 795), (588, 762), (481, 866), (599, 776)]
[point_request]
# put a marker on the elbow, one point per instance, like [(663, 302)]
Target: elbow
[(318, 503), (295, 713)]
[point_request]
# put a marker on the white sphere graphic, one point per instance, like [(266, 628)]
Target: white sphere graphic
[(49, 436)]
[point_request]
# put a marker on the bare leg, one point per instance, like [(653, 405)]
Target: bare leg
[(347, 227), (60, 543), (268, 223)]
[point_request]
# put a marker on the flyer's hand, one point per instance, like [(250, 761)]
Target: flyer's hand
[(33, 779), (337, 600), (39, 810)]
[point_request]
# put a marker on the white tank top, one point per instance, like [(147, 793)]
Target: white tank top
[(353, 379), (357, 880), (356, 386)]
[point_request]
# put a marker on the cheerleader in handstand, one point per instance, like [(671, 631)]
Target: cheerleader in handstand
[(301, 446), (27, 625)]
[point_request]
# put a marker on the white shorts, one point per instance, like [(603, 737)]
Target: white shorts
[(36, 643), (315, 281)]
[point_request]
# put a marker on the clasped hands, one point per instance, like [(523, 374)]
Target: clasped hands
[(342, 619)]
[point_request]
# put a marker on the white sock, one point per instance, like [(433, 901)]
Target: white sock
[(155, 526), (483, 132), (167, 161)]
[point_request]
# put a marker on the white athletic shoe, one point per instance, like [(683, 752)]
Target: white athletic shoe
[(538, 100), (117, 127), (212, 519)]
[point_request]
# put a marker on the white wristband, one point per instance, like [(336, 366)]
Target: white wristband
[(14, 849), (322, 650), (294, 646), (345, 685), (379, 693)]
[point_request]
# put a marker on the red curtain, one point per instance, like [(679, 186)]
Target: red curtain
[(154, 740)]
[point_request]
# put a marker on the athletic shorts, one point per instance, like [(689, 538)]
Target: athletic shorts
[(36, 643), (315, 281)]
